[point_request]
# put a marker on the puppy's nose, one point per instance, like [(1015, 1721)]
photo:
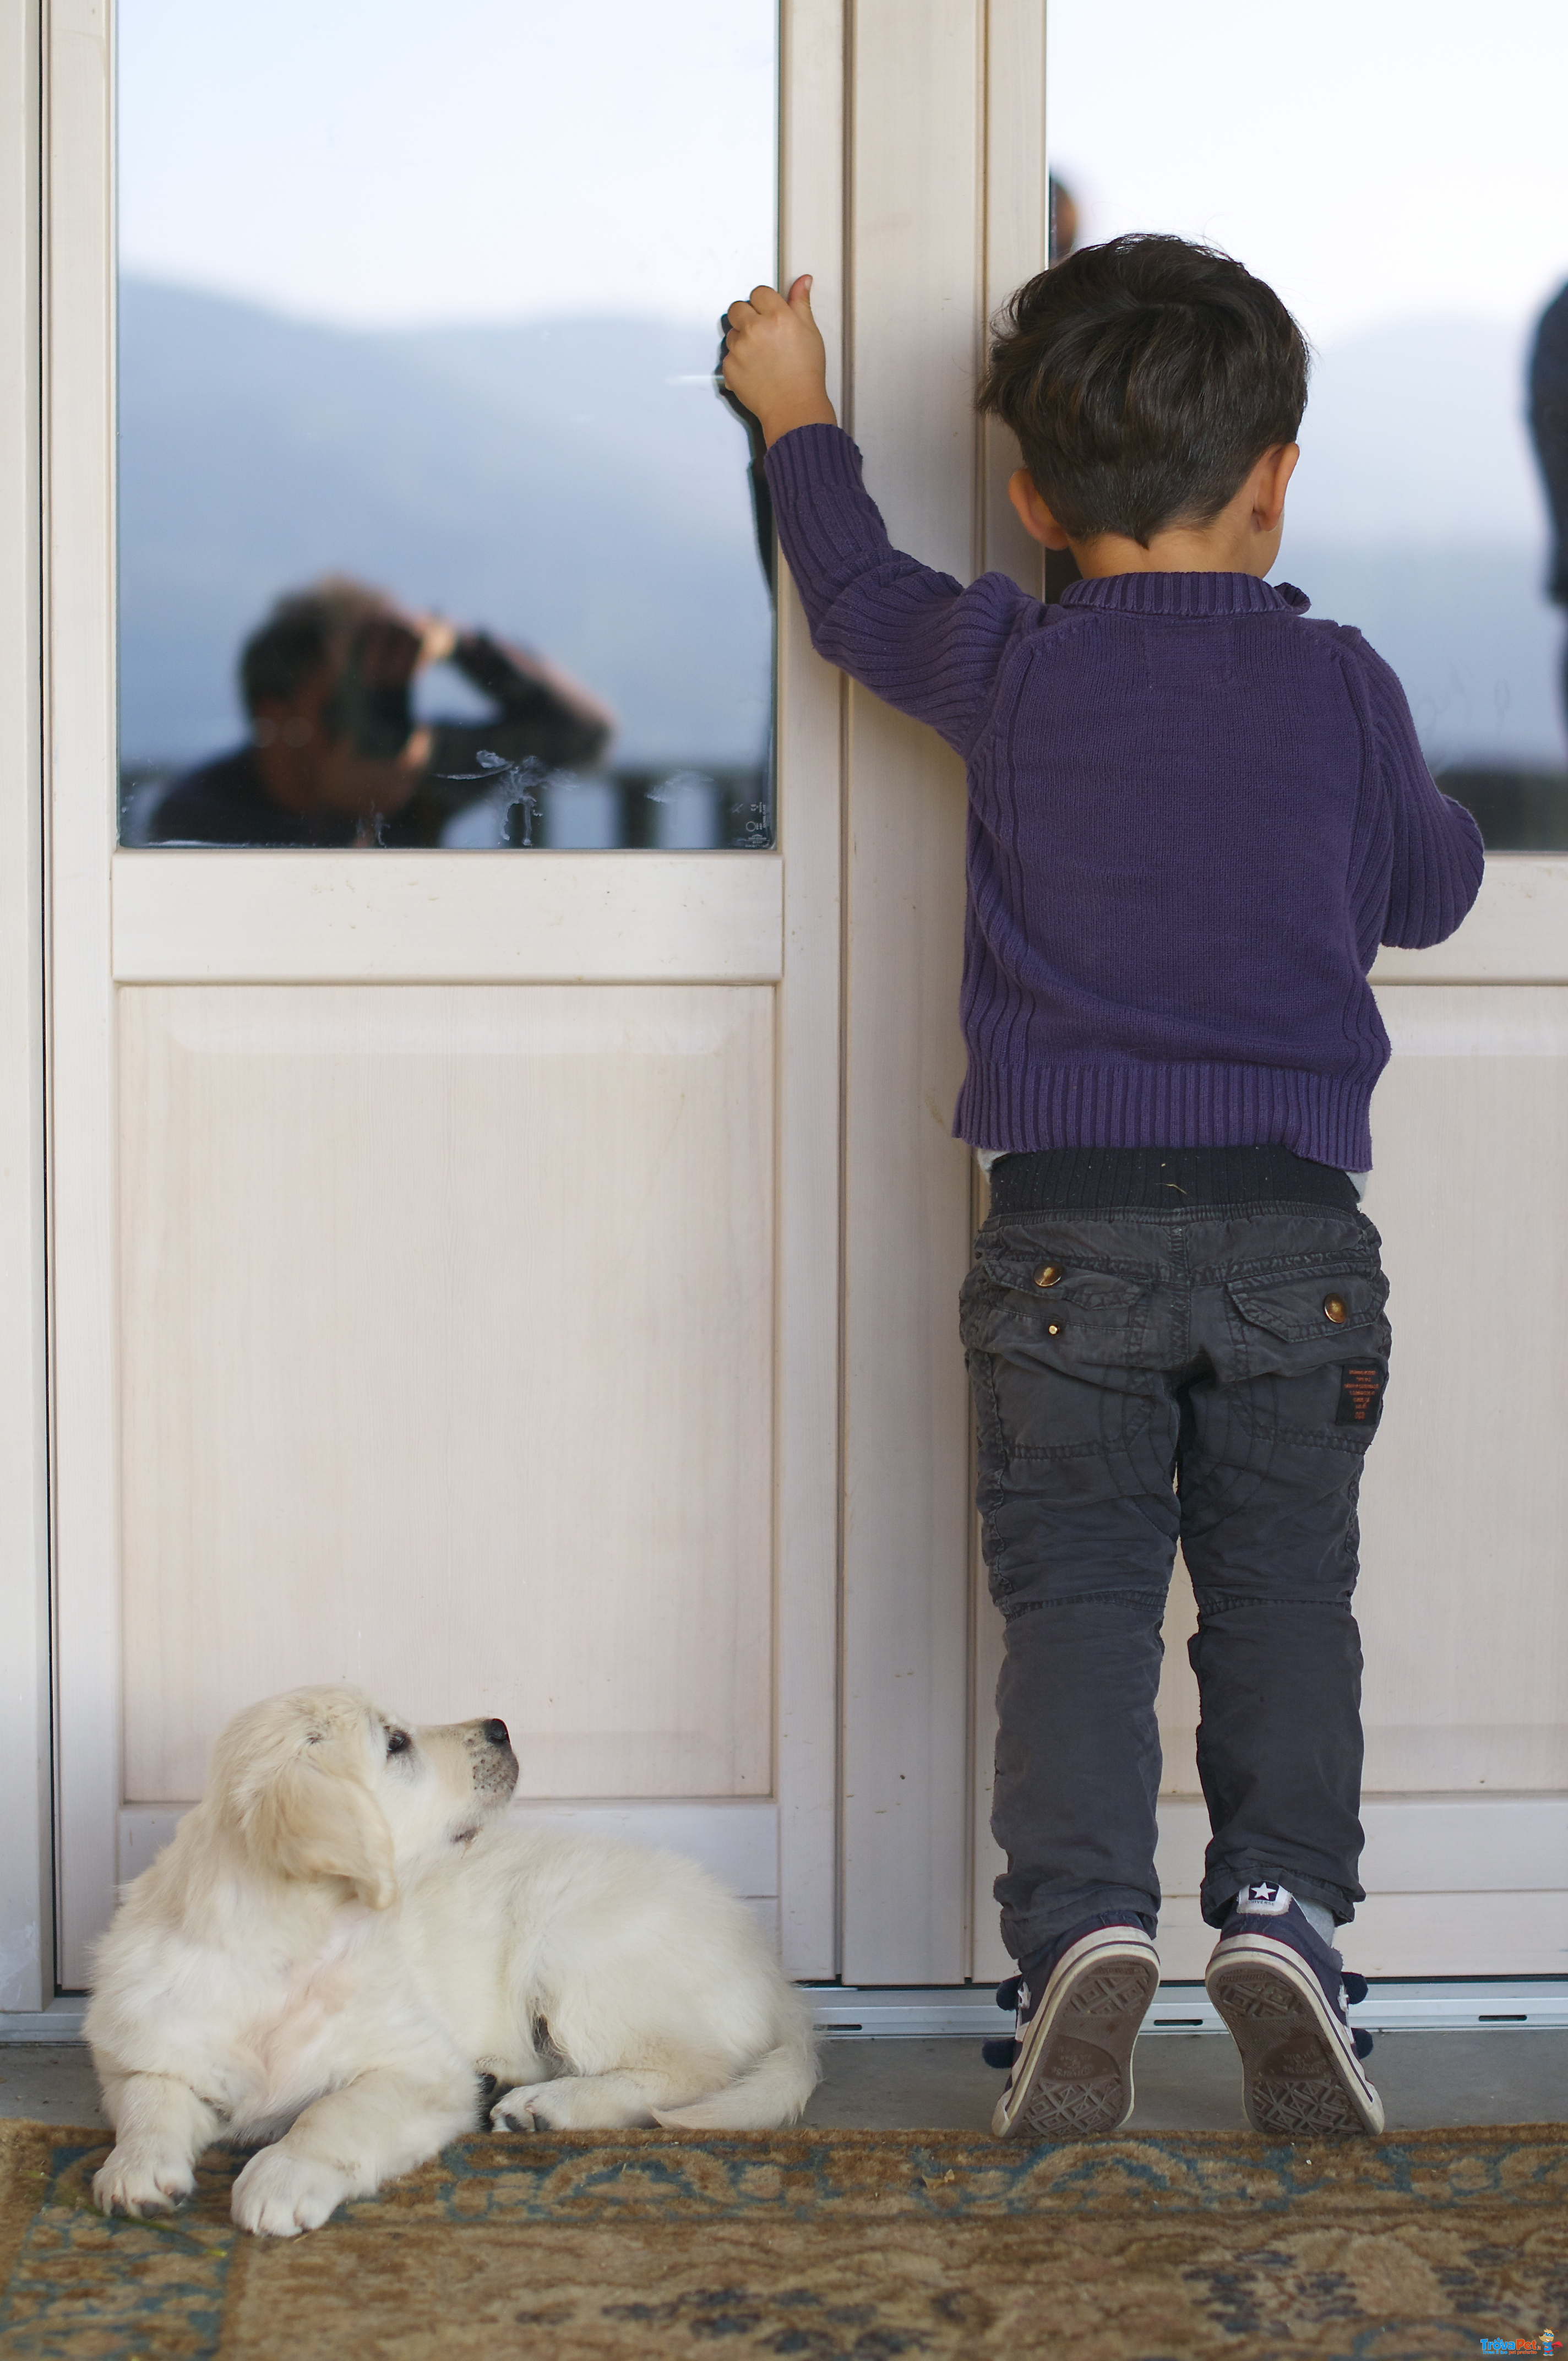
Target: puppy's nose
[(495, 1731)]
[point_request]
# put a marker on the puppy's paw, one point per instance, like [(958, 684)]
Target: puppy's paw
[(277, 2195), (522, 2109), (136, 2182), (573, 2103)]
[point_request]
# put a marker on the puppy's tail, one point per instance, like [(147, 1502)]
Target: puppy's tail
[(770, 2094)]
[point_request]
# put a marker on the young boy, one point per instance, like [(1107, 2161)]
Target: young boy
[(1193, 815)]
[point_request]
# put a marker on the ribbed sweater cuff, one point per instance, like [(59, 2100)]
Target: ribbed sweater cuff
[(813, 457)]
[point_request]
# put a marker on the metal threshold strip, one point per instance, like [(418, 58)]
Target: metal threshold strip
[(60, 2021), (877, 2013), (847, 2012)]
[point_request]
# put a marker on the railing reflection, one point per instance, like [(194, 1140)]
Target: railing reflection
[(337, 755), (688, 809)]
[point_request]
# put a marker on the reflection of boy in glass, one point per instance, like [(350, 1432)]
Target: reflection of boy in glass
[(1549, 424), (336, 757)]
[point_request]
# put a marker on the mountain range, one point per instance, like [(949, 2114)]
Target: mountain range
[(575, 484)]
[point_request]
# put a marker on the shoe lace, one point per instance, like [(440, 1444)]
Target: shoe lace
[(1013, 1994), (1352, 1992)]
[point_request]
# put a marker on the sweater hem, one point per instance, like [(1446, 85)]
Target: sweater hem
[(1322, 1117)]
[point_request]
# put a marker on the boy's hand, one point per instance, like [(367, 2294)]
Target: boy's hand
[(774, 360)]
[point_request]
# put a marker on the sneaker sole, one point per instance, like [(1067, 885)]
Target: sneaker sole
[(1074, 2073), (1300, 2074)]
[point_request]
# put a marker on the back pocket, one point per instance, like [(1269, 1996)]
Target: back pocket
[(1020, 1294), (1296, 1323)]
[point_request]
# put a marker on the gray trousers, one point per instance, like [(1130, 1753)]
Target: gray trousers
[(1210, 1374)]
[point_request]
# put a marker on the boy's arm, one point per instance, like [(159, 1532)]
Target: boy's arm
[(1437, 852), (915, 637)]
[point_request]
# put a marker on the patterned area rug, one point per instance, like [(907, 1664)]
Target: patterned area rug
[(820, 2245)]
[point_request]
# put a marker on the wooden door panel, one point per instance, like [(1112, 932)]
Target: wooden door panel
[(448, 1370), (1462, 1602), (1465, 1515), (1457, 1885)]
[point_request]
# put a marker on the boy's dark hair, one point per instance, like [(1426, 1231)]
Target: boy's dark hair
[(1143, 378)]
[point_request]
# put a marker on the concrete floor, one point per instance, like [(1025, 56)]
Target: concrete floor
[(1194, 2082), (51, 2085), (1184, 2083)]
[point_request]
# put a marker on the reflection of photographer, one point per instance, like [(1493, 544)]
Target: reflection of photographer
[(335, 755), (1549, 425)]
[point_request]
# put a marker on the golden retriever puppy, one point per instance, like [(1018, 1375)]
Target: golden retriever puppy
[(341, 1944)]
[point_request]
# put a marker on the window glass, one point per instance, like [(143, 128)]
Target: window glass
[(1394, 170), (432, 528)]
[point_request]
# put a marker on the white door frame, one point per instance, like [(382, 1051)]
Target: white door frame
[(917, 205), (948, 214), (877, 1396), (889, 1385), (118, 918), (27, 1970)]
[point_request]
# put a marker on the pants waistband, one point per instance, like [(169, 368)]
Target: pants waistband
[(1112, 1179)]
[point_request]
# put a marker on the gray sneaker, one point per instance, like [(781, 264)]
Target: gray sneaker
[(1282, 1991), (1072, 2056)]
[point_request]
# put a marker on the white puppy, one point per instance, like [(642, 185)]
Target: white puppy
[(337, 1948)]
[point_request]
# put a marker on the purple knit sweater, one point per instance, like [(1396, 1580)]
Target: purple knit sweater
[(1192, 818)]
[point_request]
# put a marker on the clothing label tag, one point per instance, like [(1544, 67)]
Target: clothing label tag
[(1361, 1385)]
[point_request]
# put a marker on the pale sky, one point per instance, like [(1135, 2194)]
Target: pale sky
[(384, 162), (1399, 168), (381, 161), (1375, 159)]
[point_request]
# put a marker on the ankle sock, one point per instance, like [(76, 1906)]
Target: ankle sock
[(1320, 1919)]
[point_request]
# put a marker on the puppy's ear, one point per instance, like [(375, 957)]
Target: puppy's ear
[(317, 1819)]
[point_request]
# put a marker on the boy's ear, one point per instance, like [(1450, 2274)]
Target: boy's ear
[(1270, 478), (1033, 514)]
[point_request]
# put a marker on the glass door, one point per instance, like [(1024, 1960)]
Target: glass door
[(505, 1223), (432, 531), (1398, 182), (436, 1111)]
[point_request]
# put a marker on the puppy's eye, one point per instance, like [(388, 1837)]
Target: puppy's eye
[(398, 1741)]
